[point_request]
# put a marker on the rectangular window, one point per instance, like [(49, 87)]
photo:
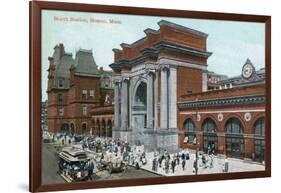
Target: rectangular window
[(61, 111), (92, 93), (84, 94), (84, 110), (60, 98)]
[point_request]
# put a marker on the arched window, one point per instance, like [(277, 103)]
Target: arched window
[(209, 126), (190, 132), (259, 127), (259, 139), (140, 98), (234, 138), (210, 138), (234, 126)]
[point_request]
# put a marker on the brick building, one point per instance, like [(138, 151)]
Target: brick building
[(165, 97), (75, 85), (103, 115)]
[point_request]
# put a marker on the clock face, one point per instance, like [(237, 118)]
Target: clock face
[(247, 70)]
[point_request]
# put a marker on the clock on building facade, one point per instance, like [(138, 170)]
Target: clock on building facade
[(248, 69)]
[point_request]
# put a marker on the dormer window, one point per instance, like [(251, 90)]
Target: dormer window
[(60, 83)]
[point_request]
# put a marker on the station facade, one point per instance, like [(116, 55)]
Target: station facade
[(164, 96), (160, 95)]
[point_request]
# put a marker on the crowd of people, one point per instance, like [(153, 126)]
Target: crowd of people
[(136, 156)]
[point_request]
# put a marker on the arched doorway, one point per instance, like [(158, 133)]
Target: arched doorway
[(84, 128), (72, 129), (139, 112), (259, 139), (190, 132), (98, 128), (103, 130), (109, 128), (65, 128), (234, 138), (210, 137), (93, 127)]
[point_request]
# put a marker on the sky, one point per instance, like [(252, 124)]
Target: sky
[(230, 42)]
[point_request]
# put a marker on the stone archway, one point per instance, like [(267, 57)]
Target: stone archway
[(103, 128), (72, 129), (65, 128), (210, 137), (84, 128), (139, 113)]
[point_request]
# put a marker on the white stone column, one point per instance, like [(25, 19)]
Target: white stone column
[(164, 99), (172, 85), (117, 105), (156, 100), (124, 105), (149, 101)]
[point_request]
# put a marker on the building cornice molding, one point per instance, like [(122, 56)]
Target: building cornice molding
[(241, 100), (171, 46)]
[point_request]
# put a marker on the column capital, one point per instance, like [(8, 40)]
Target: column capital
[(149, 71), (125, 79), (117, 79), (164, 66)]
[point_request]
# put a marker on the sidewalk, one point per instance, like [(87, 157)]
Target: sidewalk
[(235, 165)]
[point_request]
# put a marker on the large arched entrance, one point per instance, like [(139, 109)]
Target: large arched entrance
[(259, 139), (210, 137), (234, 138), (139, 112)]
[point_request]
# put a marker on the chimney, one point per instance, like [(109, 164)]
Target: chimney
[(61, 50)]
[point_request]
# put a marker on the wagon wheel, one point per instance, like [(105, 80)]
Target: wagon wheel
[(110, 168)]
